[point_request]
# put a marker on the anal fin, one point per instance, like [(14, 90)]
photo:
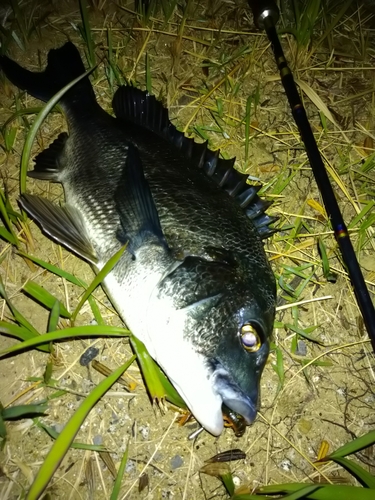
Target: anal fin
[(48, 162), (63, 224)]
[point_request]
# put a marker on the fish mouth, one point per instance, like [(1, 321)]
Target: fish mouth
[(208, 387), (232, 395)]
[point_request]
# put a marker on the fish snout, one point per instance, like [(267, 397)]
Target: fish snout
[(233, 396)]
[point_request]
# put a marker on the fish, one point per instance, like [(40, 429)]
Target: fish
[(194, 283)]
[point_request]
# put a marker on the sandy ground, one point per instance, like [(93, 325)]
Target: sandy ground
[(333, 402)]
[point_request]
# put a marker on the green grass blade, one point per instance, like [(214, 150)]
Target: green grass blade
[(279, 368), (149, 370), (54, 316), (3, 430), (325, 492), (13, 215), (368, 222), (363, 476), (98, 279), (95, 310), (336, 19), (26, 153), (6, 39), (69, 277), (247, 127), (41, 295), (23, 411), (168, 7), (53, 269), (303, 334), (16, 314), (307, 361), (87, 35), (368, 163), (148, 74), (117, 486), (19, 18), (112, 69), (108, 69), (18, 41), (222, 471), (245, 496), (66, 437), (9, 226), (171, 394), (329, 276), (56, 395), (47, 375), (228, 482), (78, 446), (68, 333), (7, 236), (365, 210), (21, 333), (156, 382), (304, 492), (353, 447), (9, 135), (19, 113)]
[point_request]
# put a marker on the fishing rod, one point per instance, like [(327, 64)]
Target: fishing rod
[(266, 15)]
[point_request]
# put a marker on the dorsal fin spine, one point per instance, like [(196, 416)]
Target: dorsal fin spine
[(139, 107)]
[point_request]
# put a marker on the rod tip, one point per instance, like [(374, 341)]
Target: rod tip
[(264, 10)]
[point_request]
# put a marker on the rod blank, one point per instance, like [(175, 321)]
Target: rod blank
[(266, 15)]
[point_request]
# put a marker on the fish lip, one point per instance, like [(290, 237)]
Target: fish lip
[(232, 395)]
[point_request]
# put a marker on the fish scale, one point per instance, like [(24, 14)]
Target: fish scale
[(194, 283)]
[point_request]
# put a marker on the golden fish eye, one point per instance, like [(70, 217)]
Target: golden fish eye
[(250, 338)]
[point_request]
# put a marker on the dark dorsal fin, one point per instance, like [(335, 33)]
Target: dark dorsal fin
[(137, 106)]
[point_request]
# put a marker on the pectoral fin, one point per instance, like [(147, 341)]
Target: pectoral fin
[(135, 206), (63, 224)]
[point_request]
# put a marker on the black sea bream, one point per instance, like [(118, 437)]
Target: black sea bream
[(194, 283)]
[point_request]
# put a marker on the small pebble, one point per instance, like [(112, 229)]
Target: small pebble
[(58, 427), (176, 462), (144, 431), (167, 494), (301, 348), (97, 440), (286, 465), (236, 481), (88, 356), (130, 466), (114, 418)]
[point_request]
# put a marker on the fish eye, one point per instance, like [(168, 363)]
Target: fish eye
[(250, 338)]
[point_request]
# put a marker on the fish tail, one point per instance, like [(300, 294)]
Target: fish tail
[(64, 65)]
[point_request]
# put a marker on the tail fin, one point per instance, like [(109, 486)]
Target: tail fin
[(64, 65)]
